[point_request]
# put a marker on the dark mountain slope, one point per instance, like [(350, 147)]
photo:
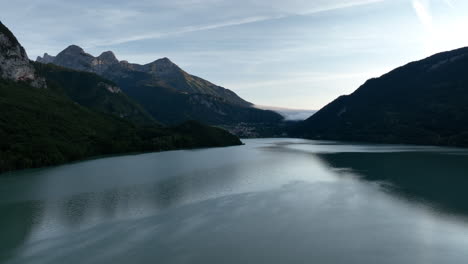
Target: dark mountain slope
[(171, 107), (168, 93), (50, 124), (423, 102), (92, 91), (40, 128)]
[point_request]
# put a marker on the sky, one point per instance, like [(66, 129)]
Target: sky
[(298, 54)]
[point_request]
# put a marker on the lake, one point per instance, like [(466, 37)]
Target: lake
[(269, 201)]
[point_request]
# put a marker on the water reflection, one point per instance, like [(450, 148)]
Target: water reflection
[(16, 223), (271, 201), (323, 222), (75, 197), (437, 179)]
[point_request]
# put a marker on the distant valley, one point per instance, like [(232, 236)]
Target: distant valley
[(290, 114)]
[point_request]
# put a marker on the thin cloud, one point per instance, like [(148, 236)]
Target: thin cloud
[(340, 6), (229, 23), (183, 30), (422, 9)]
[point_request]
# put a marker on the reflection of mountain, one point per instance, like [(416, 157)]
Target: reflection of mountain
[(16, 223), (86, 209), (434, 178), (136, 201)]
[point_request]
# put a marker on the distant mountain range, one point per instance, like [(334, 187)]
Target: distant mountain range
[(51, 115), (423, 102), (168, 93)]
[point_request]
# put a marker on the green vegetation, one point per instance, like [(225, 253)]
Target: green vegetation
[(170, 107), (166, 92), (80, 115), (39, 127), (91, 90)]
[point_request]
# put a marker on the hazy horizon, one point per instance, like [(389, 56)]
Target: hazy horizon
[(300, 54)]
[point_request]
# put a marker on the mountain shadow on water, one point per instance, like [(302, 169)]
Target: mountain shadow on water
[(435, 179)]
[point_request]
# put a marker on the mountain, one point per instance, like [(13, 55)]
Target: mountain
[(14, 62), (423, 102), (92, 91), (167, 92), (161, 72), (46, 59), (50, 115)]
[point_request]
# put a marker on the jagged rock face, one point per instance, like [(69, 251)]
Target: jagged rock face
[(14, 62), (45, 59), (162, 72), (104, 61), (111, 88), (108, 57), (76, 58)]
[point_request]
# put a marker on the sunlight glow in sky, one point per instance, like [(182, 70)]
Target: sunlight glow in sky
[(296, 54)]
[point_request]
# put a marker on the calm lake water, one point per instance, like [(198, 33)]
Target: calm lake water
[(269, 201)]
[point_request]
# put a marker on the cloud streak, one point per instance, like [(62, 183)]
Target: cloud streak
[(232, 22), (188, 29), (340, 6)]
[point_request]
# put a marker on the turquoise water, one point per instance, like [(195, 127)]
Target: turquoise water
[(269, 201)]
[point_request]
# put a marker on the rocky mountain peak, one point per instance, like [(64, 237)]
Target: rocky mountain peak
[(73, 53), (164, 62), (108, 57), (161, 72), (162, 66), (46, 58), (73, 49), (165, 59), (14, 62), (74, 57)]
